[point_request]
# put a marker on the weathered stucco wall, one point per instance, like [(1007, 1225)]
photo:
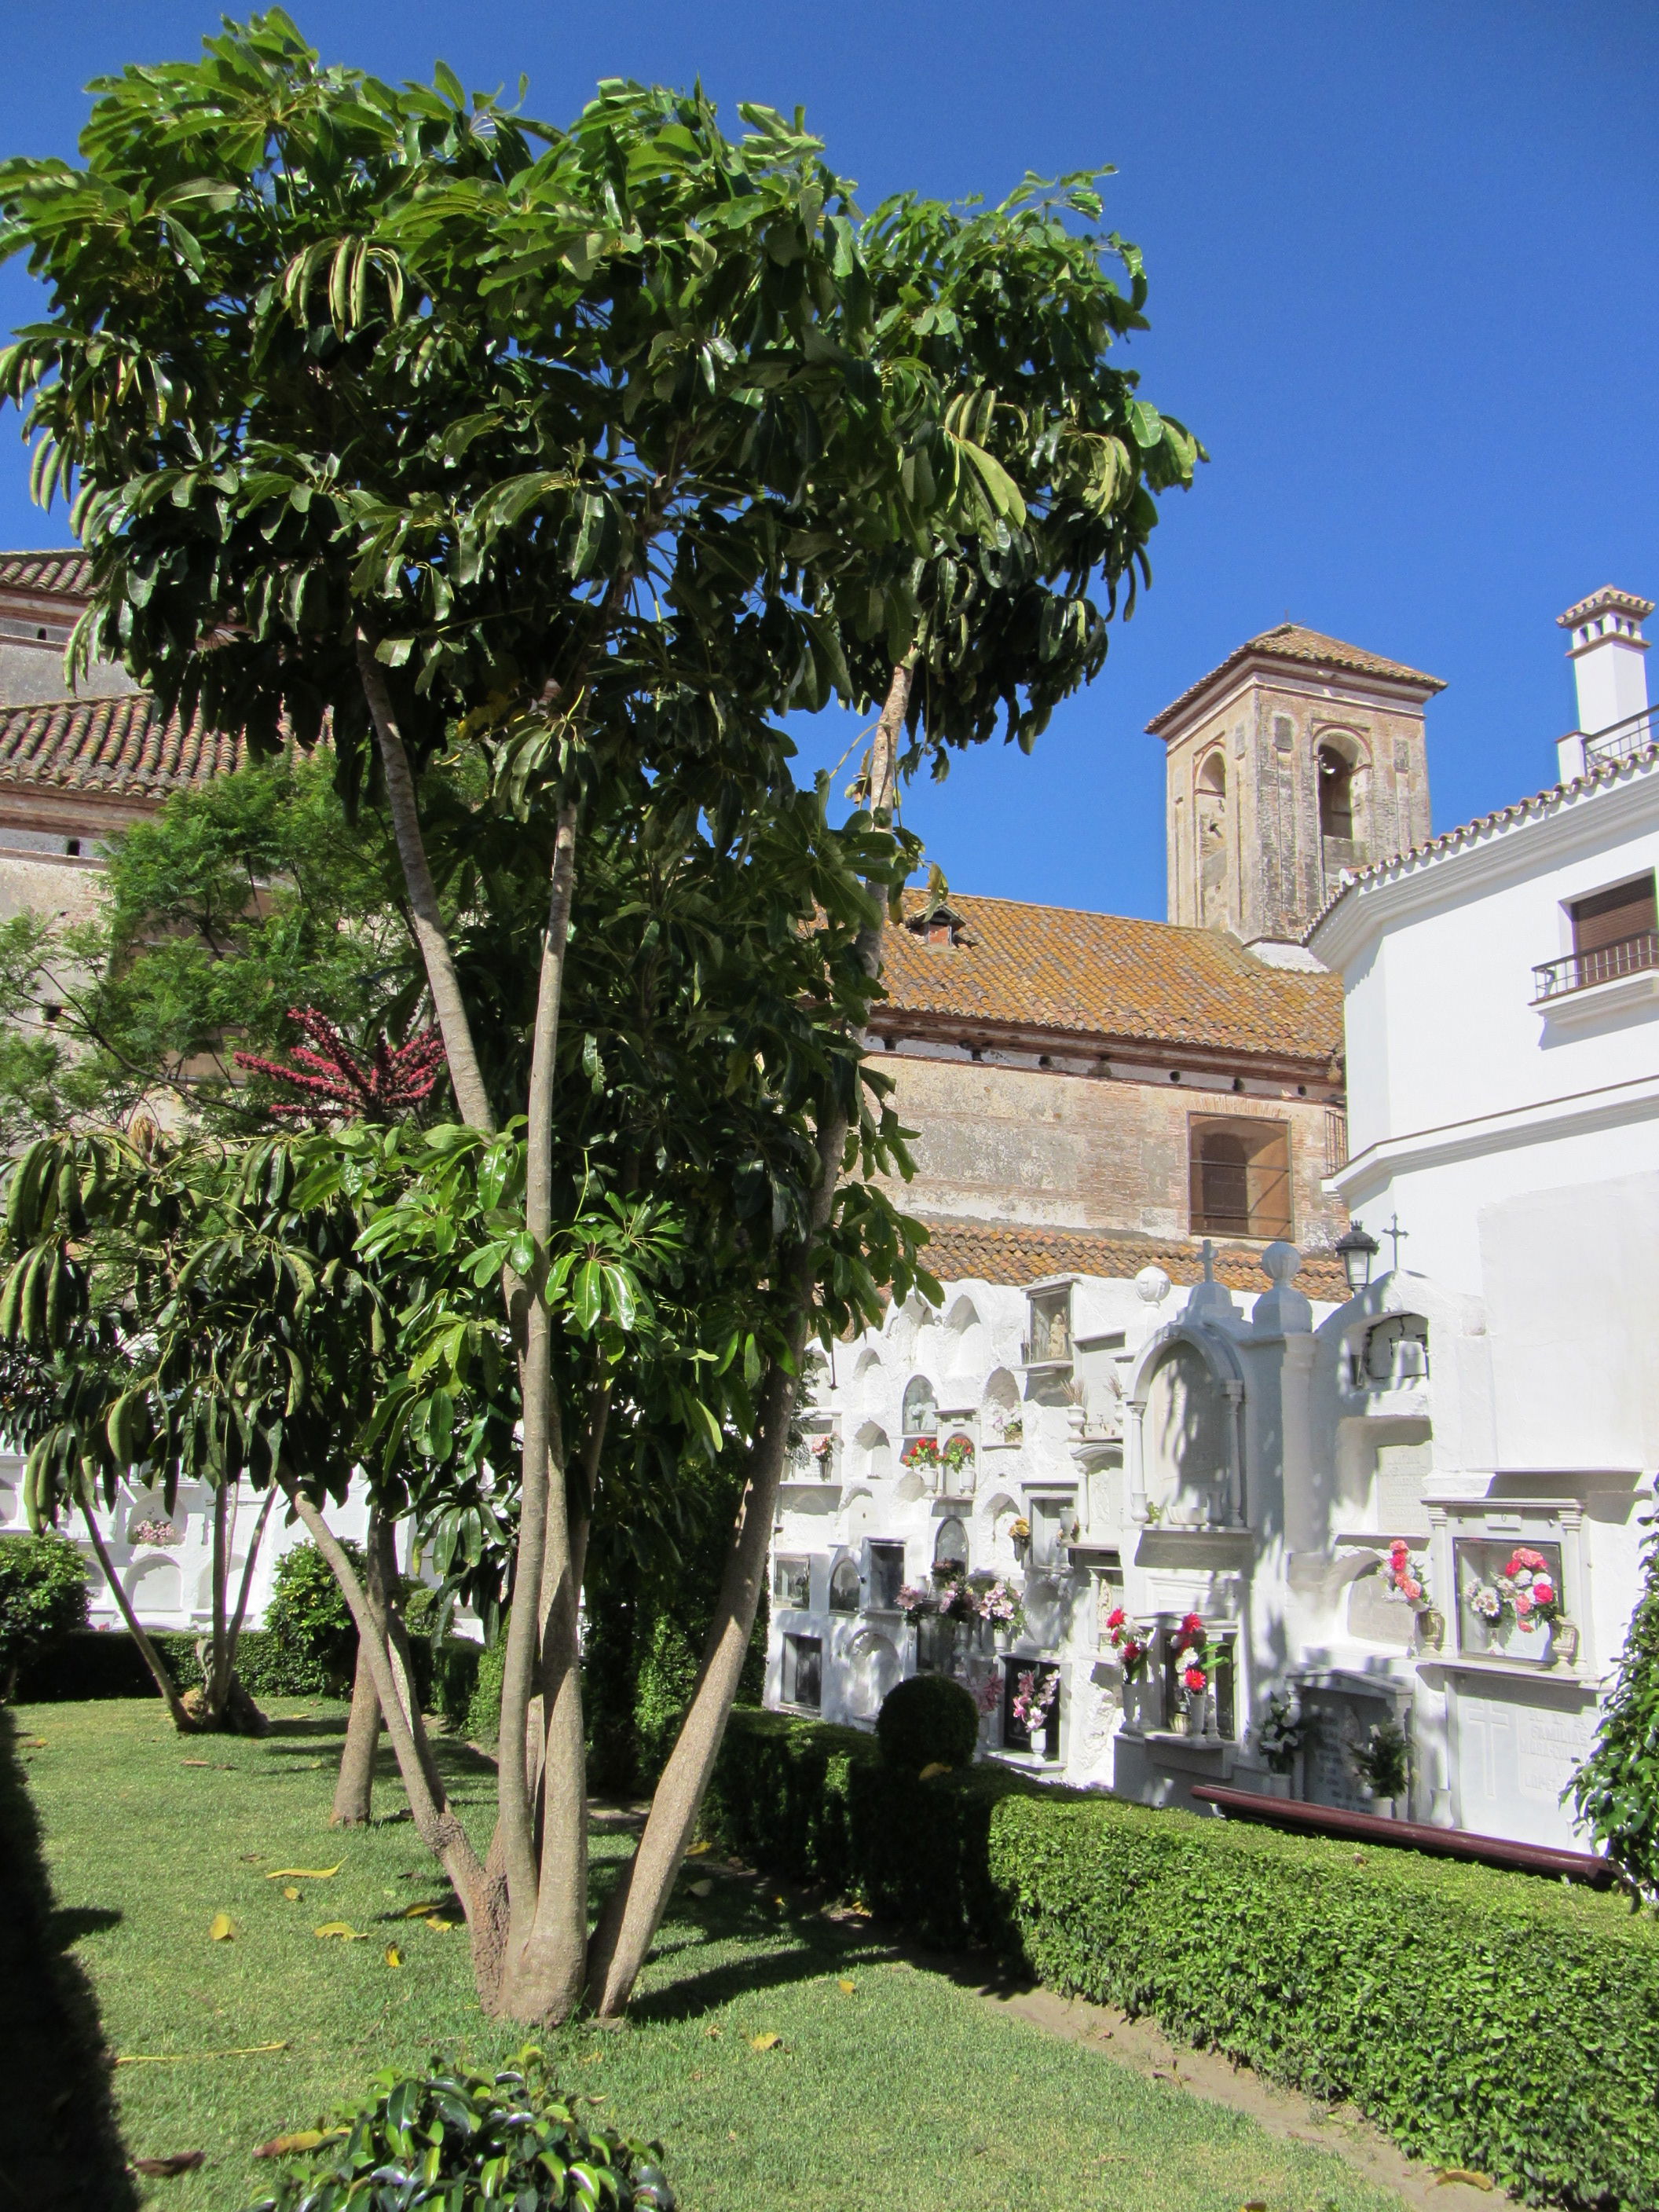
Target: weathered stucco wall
[(1068, 1151)]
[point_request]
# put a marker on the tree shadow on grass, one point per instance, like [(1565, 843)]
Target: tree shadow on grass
[(808, 1947), (59, 2145)]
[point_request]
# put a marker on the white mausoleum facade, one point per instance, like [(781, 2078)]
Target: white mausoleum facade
[(1417, 1511)]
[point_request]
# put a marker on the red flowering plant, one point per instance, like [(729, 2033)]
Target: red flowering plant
[(1132, 1642), (337, 1084), (920, 1451)]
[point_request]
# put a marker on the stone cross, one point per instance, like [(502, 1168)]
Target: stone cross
[(1206, 1253)]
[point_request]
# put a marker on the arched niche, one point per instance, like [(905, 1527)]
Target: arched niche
[(1186, 1469), (873, 1668), (1341, 766), (857, 1515), (921, 1407), (844, 1588), (155, 1586), (873, 1459), (951, 1545), (997, 1517), (1210, 830), (967, 1337), (1001, 1418), (868, 1372)]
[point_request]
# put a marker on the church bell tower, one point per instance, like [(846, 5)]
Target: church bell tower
[(1297, 757)]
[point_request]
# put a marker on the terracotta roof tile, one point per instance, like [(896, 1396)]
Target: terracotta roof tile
[(65, 573), (1306, 647), (997, 1252), (1107, 976), (124, 744)]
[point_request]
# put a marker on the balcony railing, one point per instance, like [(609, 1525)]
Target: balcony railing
[(1628, 955), (1637, 733)]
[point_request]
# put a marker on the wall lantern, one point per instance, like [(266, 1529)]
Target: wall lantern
[(1356, 1251)]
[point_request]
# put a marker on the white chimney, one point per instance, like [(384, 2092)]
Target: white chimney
[(1606, 650)]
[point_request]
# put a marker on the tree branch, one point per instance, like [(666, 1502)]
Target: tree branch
[(449, 1001)]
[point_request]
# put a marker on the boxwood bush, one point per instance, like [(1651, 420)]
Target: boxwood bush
[(43, 1598), (925, 1718), (1488, 2020)]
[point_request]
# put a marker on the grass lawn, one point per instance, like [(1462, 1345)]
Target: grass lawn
[(906, 2091)]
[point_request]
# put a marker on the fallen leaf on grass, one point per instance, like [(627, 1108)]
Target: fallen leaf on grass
[(933, 1770), (846, 1987), (422, 1911), (223, 1929), (292, 1894), (769, 2041), (304, 1874), (35, 1743), (702, 1889), (180, 2058), (697, 1850), (302, 2139), (196, 1762), (165, 2169), (1462, 2173), (342, 1929), (1256, 2204), (250, 1859), (439, 1925), (394, 1957)]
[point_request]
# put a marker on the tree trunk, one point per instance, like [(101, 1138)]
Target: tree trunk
[(436, 1821), (183, 1720), (449, 1001), (353, 1789), (623, 1938), (546, 1887), (217, 1687)]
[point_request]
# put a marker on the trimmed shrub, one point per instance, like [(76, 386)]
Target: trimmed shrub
[(466, 2139), (480, 1722), (927, 1720), (1493, 2020), (312, 1625), (43, 1598), (104, 1663)]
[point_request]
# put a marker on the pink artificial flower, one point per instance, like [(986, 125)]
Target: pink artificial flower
[(1399, 1552), (1522, 1604), (1522, 1557), (1196, 1678), (1543, 1590), (1411, 1591)]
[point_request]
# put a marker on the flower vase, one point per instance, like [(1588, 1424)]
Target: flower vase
[(1198, 1703)]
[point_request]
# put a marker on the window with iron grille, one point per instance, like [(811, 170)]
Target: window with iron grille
[(1239, 1176), (1613, 932)]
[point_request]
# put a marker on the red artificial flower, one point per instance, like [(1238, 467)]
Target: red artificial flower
[(1543, 1590), (1192, 1625), (1522, 1557), (1116, 1618), (1399, 1551), (1196, 1678)]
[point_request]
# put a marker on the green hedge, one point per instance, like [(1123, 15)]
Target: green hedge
[(103, 1664), (1487, 2020)]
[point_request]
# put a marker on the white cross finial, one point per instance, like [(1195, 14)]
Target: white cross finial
[(1206, 1253), (1398, 1234)]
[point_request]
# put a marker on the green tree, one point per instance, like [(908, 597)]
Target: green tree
[(585, 455), (235, 903), (43, 1598), (1615, 1792)]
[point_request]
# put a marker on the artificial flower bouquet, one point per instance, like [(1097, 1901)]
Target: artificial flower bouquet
[(1033, 1702), (1281, 1735), (1525, 1593), (1406, 1575), (1132, 1642)]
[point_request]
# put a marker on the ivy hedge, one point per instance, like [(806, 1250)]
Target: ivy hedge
[(1487, 2020), (107, 1663)]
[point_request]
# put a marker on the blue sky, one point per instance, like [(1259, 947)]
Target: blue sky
[(1403, 285)]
